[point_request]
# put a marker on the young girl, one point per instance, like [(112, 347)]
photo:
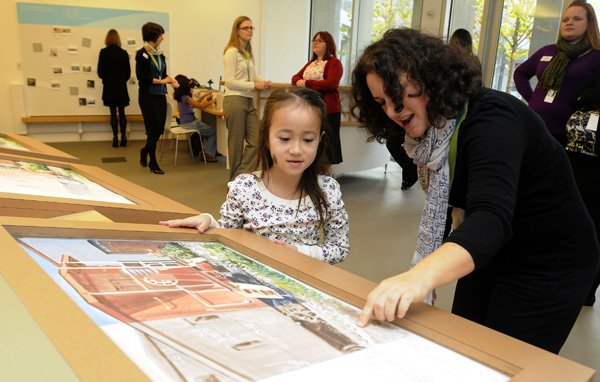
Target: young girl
[(187, 119), (291, 199)]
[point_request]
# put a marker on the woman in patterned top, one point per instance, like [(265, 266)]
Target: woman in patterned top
[(323, 73), (291, 200)]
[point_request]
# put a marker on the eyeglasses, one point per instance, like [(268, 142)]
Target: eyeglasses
[(317, 41), (247, 28)]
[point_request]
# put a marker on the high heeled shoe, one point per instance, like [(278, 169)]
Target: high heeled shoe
[(115, 142), (156, 170), (143, 157), (123, 142)]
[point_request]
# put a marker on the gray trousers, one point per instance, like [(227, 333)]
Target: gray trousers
[(242, 128)]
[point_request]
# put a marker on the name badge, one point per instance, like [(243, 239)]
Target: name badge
[(546, 58), (592, 124), (550, 96), (145, 55)]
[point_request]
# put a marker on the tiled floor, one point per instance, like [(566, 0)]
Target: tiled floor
[(383, 219)]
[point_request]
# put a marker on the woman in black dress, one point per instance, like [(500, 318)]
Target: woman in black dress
[(114, 70)]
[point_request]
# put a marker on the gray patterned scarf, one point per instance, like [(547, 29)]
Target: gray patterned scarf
[(430, 154)]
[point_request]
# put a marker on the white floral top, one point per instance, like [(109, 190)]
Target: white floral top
[(314, 70), (250, 205)]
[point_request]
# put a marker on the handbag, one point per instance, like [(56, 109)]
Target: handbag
[(579, 138)]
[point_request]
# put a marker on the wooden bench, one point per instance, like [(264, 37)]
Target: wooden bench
[(79, 120), (75, 118)]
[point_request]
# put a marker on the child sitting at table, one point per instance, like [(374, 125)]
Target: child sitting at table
[(187, 119)]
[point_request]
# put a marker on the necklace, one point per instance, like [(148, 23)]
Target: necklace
[(270, 184), (271, 187)]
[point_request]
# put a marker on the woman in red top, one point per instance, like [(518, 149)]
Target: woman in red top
[(323, 73)]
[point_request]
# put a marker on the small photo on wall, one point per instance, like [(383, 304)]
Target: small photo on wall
[(91, 83), (82, 101), (53, 52), (55, 85), (61, 31), (37, 47), (131, 42), (86, 42), (73, 90), (30, 81), (75, 67), (57, 69), (73, 49), (87, 68), (91, 101)]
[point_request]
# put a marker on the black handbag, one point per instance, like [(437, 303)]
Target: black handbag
[(579, 138)]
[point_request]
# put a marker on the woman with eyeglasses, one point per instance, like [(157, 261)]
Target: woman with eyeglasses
[(323, 73), (238, 103)]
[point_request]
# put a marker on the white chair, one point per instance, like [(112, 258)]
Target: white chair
[(173, 130)]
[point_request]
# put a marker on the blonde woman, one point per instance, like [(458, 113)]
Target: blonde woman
[(114, 70), (562, 69), (238, 104)]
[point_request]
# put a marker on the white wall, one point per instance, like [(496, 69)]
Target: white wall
[(199, 30), (285, 38)]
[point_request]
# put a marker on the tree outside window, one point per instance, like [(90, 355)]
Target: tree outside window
[(389, 14)]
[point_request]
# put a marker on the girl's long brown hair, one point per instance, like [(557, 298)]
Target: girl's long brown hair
[(309, 182)]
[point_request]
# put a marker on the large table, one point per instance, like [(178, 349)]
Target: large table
[(49, 330)]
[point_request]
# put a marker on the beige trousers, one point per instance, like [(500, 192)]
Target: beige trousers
[(242, 130)]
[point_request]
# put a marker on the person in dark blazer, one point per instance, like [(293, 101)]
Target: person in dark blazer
[(114, 70), (151, 72)]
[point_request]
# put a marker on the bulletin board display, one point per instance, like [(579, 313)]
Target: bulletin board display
[(60, 46)]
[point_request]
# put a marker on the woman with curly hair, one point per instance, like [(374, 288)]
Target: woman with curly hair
[(522, 245)]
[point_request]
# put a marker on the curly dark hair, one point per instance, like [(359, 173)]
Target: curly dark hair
[(447, 77), (309, 182)]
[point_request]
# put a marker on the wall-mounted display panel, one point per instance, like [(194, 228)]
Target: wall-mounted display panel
[(22, 145), (46, 188), (232, 306), (60, 45)]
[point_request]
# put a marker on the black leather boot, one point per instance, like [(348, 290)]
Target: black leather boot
[(123, 126), (114, 125)]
